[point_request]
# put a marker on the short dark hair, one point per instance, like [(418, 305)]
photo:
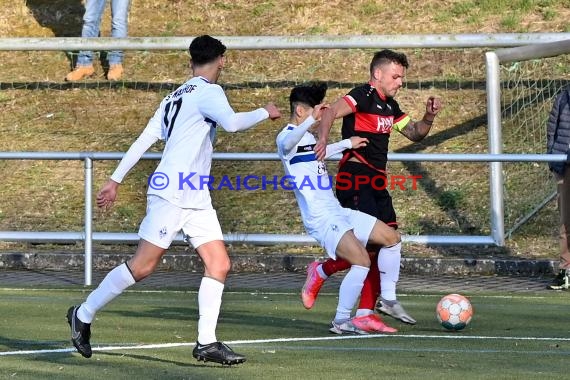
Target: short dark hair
[(205, 49), (309, 94), (387, 56)]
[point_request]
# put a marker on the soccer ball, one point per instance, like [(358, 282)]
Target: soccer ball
[(454, 312)]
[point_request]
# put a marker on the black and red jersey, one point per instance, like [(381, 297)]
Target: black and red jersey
[(374, 117)]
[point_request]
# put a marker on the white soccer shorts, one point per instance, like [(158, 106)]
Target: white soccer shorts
[(164, 220), (338, 223)]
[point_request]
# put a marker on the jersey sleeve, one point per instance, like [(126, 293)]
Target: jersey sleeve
[(338, 147), (216, 107), (151, 133), (154, 125), (400, 118), (279, 140), (289, 138), (355, 98)]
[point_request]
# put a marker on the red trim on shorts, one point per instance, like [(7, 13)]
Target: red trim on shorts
[(362, 160)]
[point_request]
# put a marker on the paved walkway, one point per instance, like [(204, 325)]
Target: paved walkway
[(281, 281)]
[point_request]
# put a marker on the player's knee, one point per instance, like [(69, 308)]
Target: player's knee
[(141, 272), (225, 267), (394, 238), (218, 268), (363, 259)]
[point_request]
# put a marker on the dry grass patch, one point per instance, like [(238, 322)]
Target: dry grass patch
[(43, 113)]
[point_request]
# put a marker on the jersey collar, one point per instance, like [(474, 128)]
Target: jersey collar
[(381, 95)]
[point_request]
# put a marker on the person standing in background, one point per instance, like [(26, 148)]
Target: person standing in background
[(558, 142), (91, 23)]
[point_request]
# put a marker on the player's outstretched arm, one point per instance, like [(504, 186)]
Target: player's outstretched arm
[(338, 109), (240, 121), (287, 140), (152, 132), (218, 109), (273, 111), (358, 142), (417, 130), (354, 142)]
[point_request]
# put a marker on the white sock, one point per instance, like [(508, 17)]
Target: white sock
[(112, 285), (363, 312), (389, 265), (349, 291), (321, 273), (209, 304)]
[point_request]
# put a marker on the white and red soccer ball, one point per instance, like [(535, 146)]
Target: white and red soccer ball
[(454, 312)]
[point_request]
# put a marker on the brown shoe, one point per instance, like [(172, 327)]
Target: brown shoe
[(115, 72), (79, 73)]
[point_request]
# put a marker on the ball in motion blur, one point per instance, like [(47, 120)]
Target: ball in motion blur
[(454, 312)]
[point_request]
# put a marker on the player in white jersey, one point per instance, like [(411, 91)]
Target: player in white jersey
[(342, 232), (186, 119)]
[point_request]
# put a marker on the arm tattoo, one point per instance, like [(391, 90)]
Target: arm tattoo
[(411, 131)]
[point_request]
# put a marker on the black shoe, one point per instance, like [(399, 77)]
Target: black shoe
[(217, 352), (561, 281), (80, 332)]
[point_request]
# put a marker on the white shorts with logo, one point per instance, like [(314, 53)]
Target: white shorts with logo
[(164, 220), (338, 223)]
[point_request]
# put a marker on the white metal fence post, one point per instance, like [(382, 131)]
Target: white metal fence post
[(88, 220), (495, 147)]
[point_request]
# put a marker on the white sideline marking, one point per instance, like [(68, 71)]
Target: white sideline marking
[(282, 340)]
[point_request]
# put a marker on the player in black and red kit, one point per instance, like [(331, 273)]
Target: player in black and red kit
[(371, 111)]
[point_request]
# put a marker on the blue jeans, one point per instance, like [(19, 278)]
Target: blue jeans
[(92, 21)]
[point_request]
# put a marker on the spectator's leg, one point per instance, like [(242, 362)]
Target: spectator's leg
[(91, 23), (119, 27), (564, 209)]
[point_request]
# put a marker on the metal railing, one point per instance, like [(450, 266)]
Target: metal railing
[(388, 41), (88, 236)]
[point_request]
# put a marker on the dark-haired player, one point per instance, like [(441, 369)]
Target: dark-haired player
[(186, 119), (342, 232), (370, 111)]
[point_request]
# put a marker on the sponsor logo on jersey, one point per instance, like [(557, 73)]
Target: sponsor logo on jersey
[(385, 124), (305, 148), (373, 123)]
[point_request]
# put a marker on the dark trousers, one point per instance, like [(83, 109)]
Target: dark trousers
[(563, 189)]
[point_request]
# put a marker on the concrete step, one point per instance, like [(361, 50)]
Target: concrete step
[(261, 263)]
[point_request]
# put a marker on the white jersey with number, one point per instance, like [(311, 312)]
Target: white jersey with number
[(186, 119), (313, 185)]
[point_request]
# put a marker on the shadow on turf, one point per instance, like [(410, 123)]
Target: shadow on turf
[(63, 17), (21, 344), (193, 363), (271, 322)]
